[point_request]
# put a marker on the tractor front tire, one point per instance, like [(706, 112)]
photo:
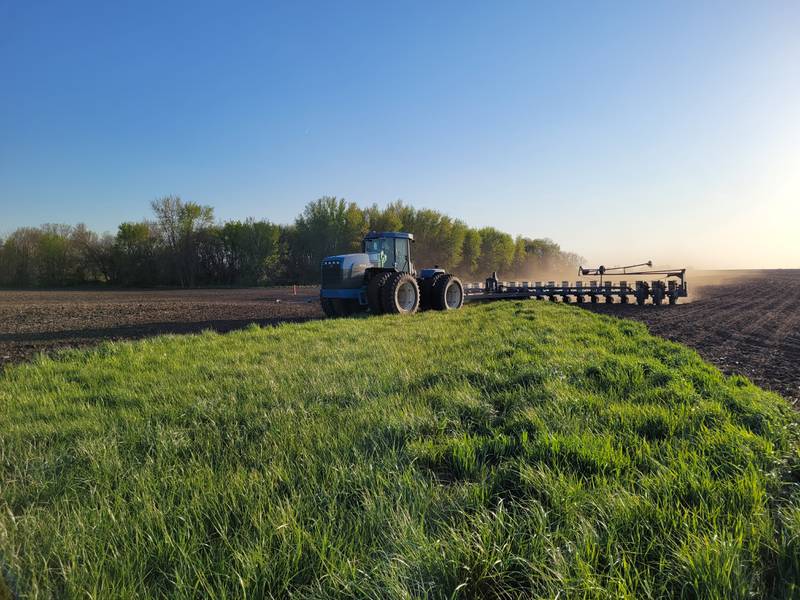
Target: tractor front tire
[(338, 307), (345, 307), (374, 292), (328, 307), (400, 294), (447, 293)]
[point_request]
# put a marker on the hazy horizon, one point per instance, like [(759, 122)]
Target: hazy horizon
[(624, 132)]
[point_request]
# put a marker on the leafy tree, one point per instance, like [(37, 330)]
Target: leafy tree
[(181, 225), (94, 254), (251, 251), (383, 219), (497, 251), (184, 246), (470, 253), (327, 226), (53, 256), (134, 254), (438, 238), (19, 257)]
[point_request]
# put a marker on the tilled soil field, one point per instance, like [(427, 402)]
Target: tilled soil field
[(745, 322), (44, 321)]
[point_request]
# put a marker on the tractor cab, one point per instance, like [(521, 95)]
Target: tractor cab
[(389, 250)]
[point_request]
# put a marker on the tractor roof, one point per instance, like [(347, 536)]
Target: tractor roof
[(372, 235)]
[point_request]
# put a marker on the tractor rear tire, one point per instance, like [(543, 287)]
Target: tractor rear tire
[(426, 291), (447, 293), (400, 294), (374, 289)]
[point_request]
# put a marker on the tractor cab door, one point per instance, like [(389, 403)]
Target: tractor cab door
[(403, 255)]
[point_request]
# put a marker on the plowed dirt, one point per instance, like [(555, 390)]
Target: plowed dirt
[(43, 321)]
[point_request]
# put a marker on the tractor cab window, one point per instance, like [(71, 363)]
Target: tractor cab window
[(401, 255), (380, 252)]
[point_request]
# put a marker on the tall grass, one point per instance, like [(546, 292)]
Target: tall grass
[(506, 450)]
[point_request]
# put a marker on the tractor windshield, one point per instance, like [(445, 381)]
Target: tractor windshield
[(380, 251)]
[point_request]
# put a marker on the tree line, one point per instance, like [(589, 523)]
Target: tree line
[(183, 245)]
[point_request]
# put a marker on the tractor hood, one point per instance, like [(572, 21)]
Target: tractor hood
[(344, 270), (346, 260)]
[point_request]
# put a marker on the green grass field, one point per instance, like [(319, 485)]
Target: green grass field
[(506, 450)]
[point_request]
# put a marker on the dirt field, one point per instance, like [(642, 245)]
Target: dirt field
[(743, 322), (43, 321)]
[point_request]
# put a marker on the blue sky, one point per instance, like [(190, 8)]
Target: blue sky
[(624, 131)]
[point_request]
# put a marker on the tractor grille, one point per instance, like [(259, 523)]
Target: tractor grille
[(331, 274)]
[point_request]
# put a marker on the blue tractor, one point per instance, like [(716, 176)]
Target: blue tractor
[(383, 279)]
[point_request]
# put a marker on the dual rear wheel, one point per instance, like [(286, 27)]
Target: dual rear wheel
[(446, 292), (401, 293)]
